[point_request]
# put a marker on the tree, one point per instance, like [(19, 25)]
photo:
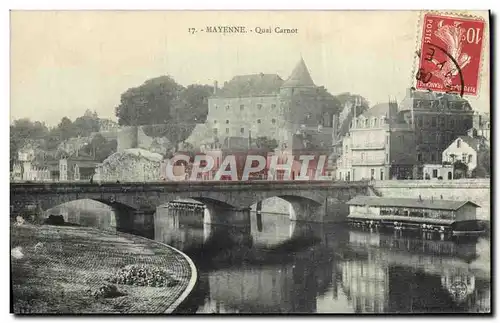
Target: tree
[(149, 103), (86, 124), (346, 96), (99, 148), (165, 108), (65, 129), (483, 168), (23, 131), (459, 169), (330, 103), (194, 103)]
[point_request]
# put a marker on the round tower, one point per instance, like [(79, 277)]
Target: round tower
[(298, 105)]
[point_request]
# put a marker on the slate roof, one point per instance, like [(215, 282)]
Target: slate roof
[(300, 76), (474, 143), (435, 204), (251, 85), (378, 110)]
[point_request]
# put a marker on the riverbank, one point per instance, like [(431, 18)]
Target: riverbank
[(71, 269)]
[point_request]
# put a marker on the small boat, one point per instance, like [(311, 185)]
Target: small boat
[(443, 216)]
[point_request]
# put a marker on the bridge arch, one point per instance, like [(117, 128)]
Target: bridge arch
[(215, 211), (118, 217), (304, 206)]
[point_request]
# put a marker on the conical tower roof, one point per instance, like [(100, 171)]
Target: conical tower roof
[(300, 76)]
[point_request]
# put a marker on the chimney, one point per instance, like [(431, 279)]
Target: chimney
[(216, 87), (409, 92)]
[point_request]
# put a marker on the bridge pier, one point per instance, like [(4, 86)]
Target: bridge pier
[(143, 223), (308, 211), (235, 217)]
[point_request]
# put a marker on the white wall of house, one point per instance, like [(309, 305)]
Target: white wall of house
[(460, 150), (437, 170)]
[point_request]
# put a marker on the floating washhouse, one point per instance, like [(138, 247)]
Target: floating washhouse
[(406, 213)]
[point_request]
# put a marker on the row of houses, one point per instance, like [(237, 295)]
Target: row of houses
[(421, 138), (65, 169)]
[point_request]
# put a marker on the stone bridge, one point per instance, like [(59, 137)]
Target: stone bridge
[(225, 202)]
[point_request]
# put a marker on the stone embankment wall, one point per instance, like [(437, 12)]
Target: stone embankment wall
[(475, 190)]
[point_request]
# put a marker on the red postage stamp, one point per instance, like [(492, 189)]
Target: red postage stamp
[(450, 54)]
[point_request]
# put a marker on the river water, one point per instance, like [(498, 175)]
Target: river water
[(280, 266)]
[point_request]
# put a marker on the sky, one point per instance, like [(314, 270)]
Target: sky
[(65, 62)]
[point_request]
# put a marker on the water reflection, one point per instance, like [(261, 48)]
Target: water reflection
[(278, 266)]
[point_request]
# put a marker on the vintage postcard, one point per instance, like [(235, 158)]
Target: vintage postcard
[(221, 162)]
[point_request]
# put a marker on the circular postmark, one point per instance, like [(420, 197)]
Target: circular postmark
[(425, 76)]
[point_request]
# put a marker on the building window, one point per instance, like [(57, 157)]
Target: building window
[(372, 174), (259, 106), (242, 106), (215, 131), (227, 130), (470, 158), (366, 123), (434, 173), (387, 158), (419, 157), (258, 120), (419, 121), (216, 107), (375, 122), (451, 123), (242, 130), (438, 138), (433, 122), (464, 158), (227, 107), (458, 143), (433, 157), (381, 174), (441, 121), (273, 106), (273, 121), (362, 156), (227, 121)]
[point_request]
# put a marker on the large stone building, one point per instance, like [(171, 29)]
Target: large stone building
[(437, 119), (379, 146), (265, 105)]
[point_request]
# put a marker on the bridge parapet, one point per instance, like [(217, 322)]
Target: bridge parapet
[(309, 199)]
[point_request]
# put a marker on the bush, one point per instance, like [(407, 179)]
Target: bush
[(144, 275)]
